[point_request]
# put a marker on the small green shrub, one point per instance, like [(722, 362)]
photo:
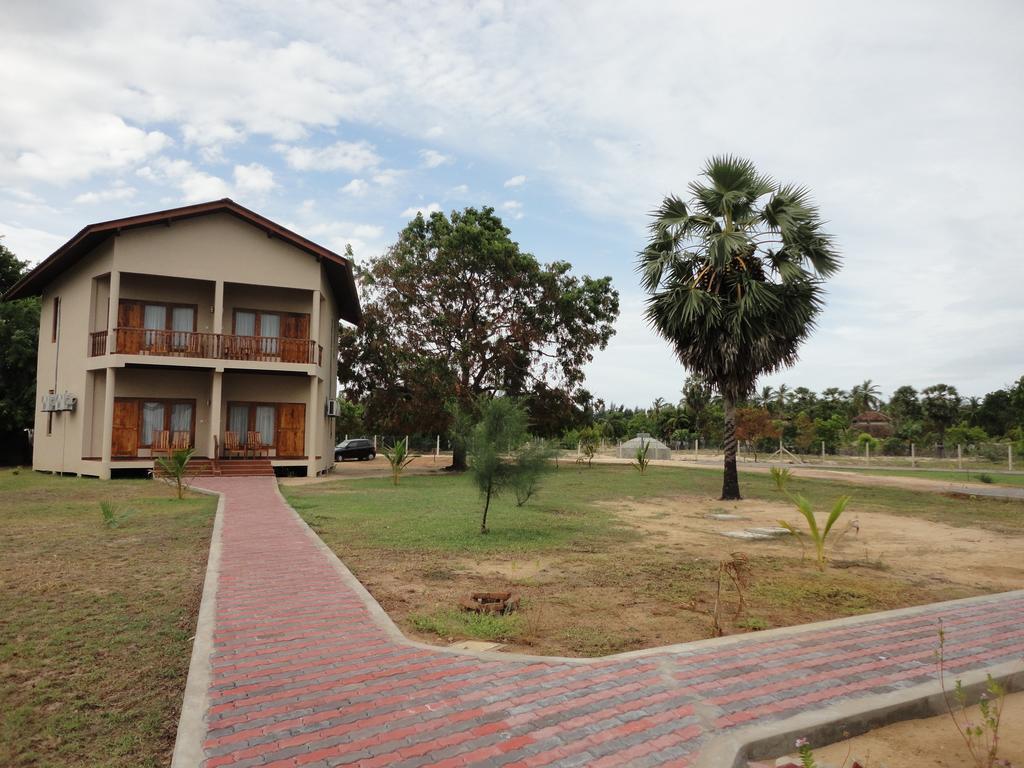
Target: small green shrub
[(985, 477), (451, 624), (640, 460), (109, 512)]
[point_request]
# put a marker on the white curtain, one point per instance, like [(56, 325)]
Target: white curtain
[(183, 323), (265, 423), (238, 421), (270, 329), (245, 323), (181, 417), (152, 421), (154, 317)]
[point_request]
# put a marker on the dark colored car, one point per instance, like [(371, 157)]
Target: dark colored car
[(357, 448)]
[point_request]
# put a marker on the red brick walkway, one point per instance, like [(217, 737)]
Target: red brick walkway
[(307, 671)]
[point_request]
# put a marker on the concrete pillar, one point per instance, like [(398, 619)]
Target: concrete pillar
[(108, 422), (314, 322), (216, 402), (218, 306), (115, 298), (314, 417)]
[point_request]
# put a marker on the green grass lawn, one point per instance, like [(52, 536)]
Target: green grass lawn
[(95, 621), (443, 513), (949, 475), (591, 582)]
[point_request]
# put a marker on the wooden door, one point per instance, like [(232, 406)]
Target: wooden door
[(129, 316), (294, 338), (291, 429), (125, 438)]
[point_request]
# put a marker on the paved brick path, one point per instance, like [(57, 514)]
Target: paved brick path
[(306, 670)]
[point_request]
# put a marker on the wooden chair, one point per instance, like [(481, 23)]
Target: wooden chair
[(181, 441), (254, 442), (231, 445), (161, 444)]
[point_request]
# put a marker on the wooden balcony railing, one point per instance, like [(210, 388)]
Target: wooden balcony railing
[(97, 343), (217, 346)]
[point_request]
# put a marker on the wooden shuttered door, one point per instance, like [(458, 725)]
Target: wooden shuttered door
[(125, 437), (294, 338), (291, 430), (129, 315)]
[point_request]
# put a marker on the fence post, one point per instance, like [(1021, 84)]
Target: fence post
[(913, 459), (959, 457), (822, 451), (437, 447), (407, 444), (867, 453), (696, 450), (1009, 456)]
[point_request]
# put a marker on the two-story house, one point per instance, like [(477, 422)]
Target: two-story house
[(207, 326)]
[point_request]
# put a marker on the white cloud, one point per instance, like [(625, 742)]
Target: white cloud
[(365, 239), (120, 191), (513, 208), (253, 179), (515, 181), (29, 244), (388, 177), (351, 156), (356, 188), (426, 210), (431, 158), (459, 191), (194, 185)]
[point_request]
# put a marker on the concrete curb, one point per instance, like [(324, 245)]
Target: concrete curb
[(188, 744), (850, 718)]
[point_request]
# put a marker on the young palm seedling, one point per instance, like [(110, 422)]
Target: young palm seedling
[(399, 458), (817, 534), (640, 460), (176, 468)]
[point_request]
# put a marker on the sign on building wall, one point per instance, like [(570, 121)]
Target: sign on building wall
[(65, 401)]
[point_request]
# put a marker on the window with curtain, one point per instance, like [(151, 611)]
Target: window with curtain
[(181, 417), (270, 329), (245, 323), (238, 420), (154, 317), (152, 422), (265, 423), (183, 321)]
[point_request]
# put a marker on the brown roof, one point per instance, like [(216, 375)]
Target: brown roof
[(339, 268), (871, 417)]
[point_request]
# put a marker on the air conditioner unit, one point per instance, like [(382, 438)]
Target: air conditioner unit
[(332, 408)]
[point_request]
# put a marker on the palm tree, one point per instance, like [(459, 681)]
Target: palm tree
[(734, 281), (766, 398), (866, 396)]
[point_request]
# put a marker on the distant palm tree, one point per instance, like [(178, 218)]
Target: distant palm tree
[(782, 398), (766, 398), (659, 403), (734, 281), (866, 396)]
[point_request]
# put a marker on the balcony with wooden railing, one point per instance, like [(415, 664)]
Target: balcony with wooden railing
[(215, 346)]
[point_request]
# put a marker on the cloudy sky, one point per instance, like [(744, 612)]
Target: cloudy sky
[(341, 119)]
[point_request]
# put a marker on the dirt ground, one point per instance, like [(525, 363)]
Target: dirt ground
[(659, 587), (930, 743)]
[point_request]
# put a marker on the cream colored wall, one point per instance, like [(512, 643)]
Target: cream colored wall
[(100, 303), (268, 298), (172, 384), (174, 291), (61, 451), (216, 247)]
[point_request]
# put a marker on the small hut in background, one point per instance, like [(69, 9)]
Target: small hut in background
[(657, 449), (875, 423)]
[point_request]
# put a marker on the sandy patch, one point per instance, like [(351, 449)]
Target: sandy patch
[(929, 743), (926, 551)]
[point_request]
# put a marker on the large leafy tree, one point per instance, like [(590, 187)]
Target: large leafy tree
[(734, 278), (19, 336), (456, 309)]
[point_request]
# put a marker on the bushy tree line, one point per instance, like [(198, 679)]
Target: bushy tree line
[(804, 419), (19, 336)]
